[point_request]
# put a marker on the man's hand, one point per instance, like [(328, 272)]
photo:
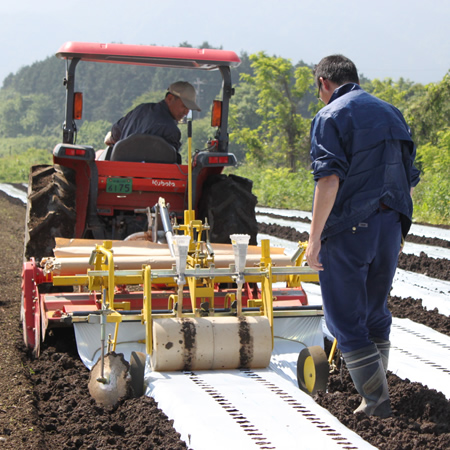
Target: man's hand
[(312, 255), (324, 198)]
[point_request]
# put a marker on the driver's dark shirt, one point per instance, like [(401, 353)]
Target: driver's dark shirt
[(148, 118)]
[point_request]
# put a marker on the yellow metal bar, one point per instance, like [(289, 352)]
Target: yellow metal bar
[(333, 350), (103, 261), (296, 280), (114, 317), (116, 332), (189, 165), (267, 298), (229, 299), (203, 292), (266, 283), (265, 252), (70, 280), (106, 250), (255, 303), (172, 300), (125, 306), (147, 316)]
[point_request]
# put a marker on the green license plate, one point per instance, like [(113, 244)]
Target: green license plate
[(119, 185)]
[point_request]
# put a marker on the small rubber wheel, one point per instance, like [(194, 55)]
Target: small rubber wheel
[(312, 370), (137, 369)]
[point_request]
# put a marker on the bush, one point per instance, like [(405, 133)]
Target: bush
[(19, 145), (16, 168), (432, 194), (280, 188)]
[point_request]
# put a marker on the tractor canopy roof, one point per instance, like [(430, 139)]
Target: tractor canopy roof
[(149, 55)]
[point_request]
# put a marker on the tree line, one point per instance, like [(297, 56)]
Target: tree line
[(270, 116)]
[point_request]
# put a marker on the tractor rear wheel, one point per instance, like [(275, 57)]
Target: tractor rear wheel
[(50, 213), (229, 206), (50, 209)]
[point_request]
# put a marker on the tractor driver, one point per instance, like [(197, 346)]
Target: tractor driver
[(158, 119)]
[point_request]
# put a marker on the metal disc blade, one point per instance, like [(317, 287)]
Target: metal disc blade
[(116, 382)]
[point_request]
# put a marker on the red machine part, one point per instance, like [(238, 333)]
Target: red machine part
[(32, 276)]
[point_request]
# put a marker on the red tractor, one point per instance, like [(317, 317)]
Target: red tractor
[(114, 194), (111, 194)]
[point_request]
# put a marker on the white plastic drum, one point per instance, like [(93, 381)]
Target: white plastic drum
[(211, 343)]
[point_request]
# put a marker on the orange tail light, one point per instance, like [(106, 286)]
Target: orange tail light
[(77, 105), (216, 113)]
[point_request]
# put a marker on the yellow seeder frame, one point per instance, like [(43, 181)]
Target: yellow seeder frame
[(200, 281)]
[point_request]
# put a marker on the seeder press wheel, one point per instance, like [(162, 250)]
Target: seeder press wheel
[(312, 370)]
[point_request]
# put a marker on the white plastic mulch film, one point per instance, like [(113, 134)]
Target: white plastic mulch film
[(246, 410), (131, 338), (291, 336)]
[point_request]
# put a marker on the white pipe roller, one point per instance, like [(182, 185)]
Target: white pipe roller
[(207, 343)]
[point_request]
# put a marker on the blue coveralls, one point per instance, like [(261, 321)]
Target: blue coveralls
[(367, 144)]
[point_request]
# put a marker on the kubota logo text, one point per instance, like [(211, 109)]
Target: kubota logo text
[(163, 183)]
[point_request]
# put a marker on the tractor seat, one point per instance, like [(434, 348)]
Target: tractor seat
[(145, 148)]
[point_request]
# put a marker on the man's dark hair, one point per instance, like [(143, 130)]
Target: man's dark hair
[(336, 68)]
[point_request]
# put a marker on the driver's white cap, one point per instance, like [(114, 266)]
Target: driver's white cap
[(186, 92)]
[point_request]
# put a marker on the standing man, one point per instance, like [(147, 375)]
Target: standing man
[(362, 160), (158, 119)]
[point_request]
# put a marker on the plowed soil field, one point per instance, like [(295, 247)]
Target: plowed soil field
[(45, 404)]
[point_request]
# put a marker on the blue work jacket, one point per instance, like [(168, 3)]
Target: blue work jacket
[(367, 144), (149, 118)]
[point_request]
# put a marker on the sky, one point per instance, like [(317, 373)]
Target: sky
[(384, 38)]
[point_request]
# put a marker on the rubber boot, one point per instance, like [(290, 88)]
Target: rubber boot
[(383, 348), (368, 375)]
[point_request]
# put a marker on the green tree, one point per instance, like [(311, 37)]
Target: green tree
[(26, 114), (428, 114), (432, 194), (282, 136), (148, 97), (396, 93), (202, 132), (244, 123), (11, 110), (16, 168), (274, 186), (93, 133)]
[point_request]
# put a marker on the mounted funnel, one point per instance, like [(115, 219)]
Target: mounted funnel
[(181, 247), (240, 246)]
